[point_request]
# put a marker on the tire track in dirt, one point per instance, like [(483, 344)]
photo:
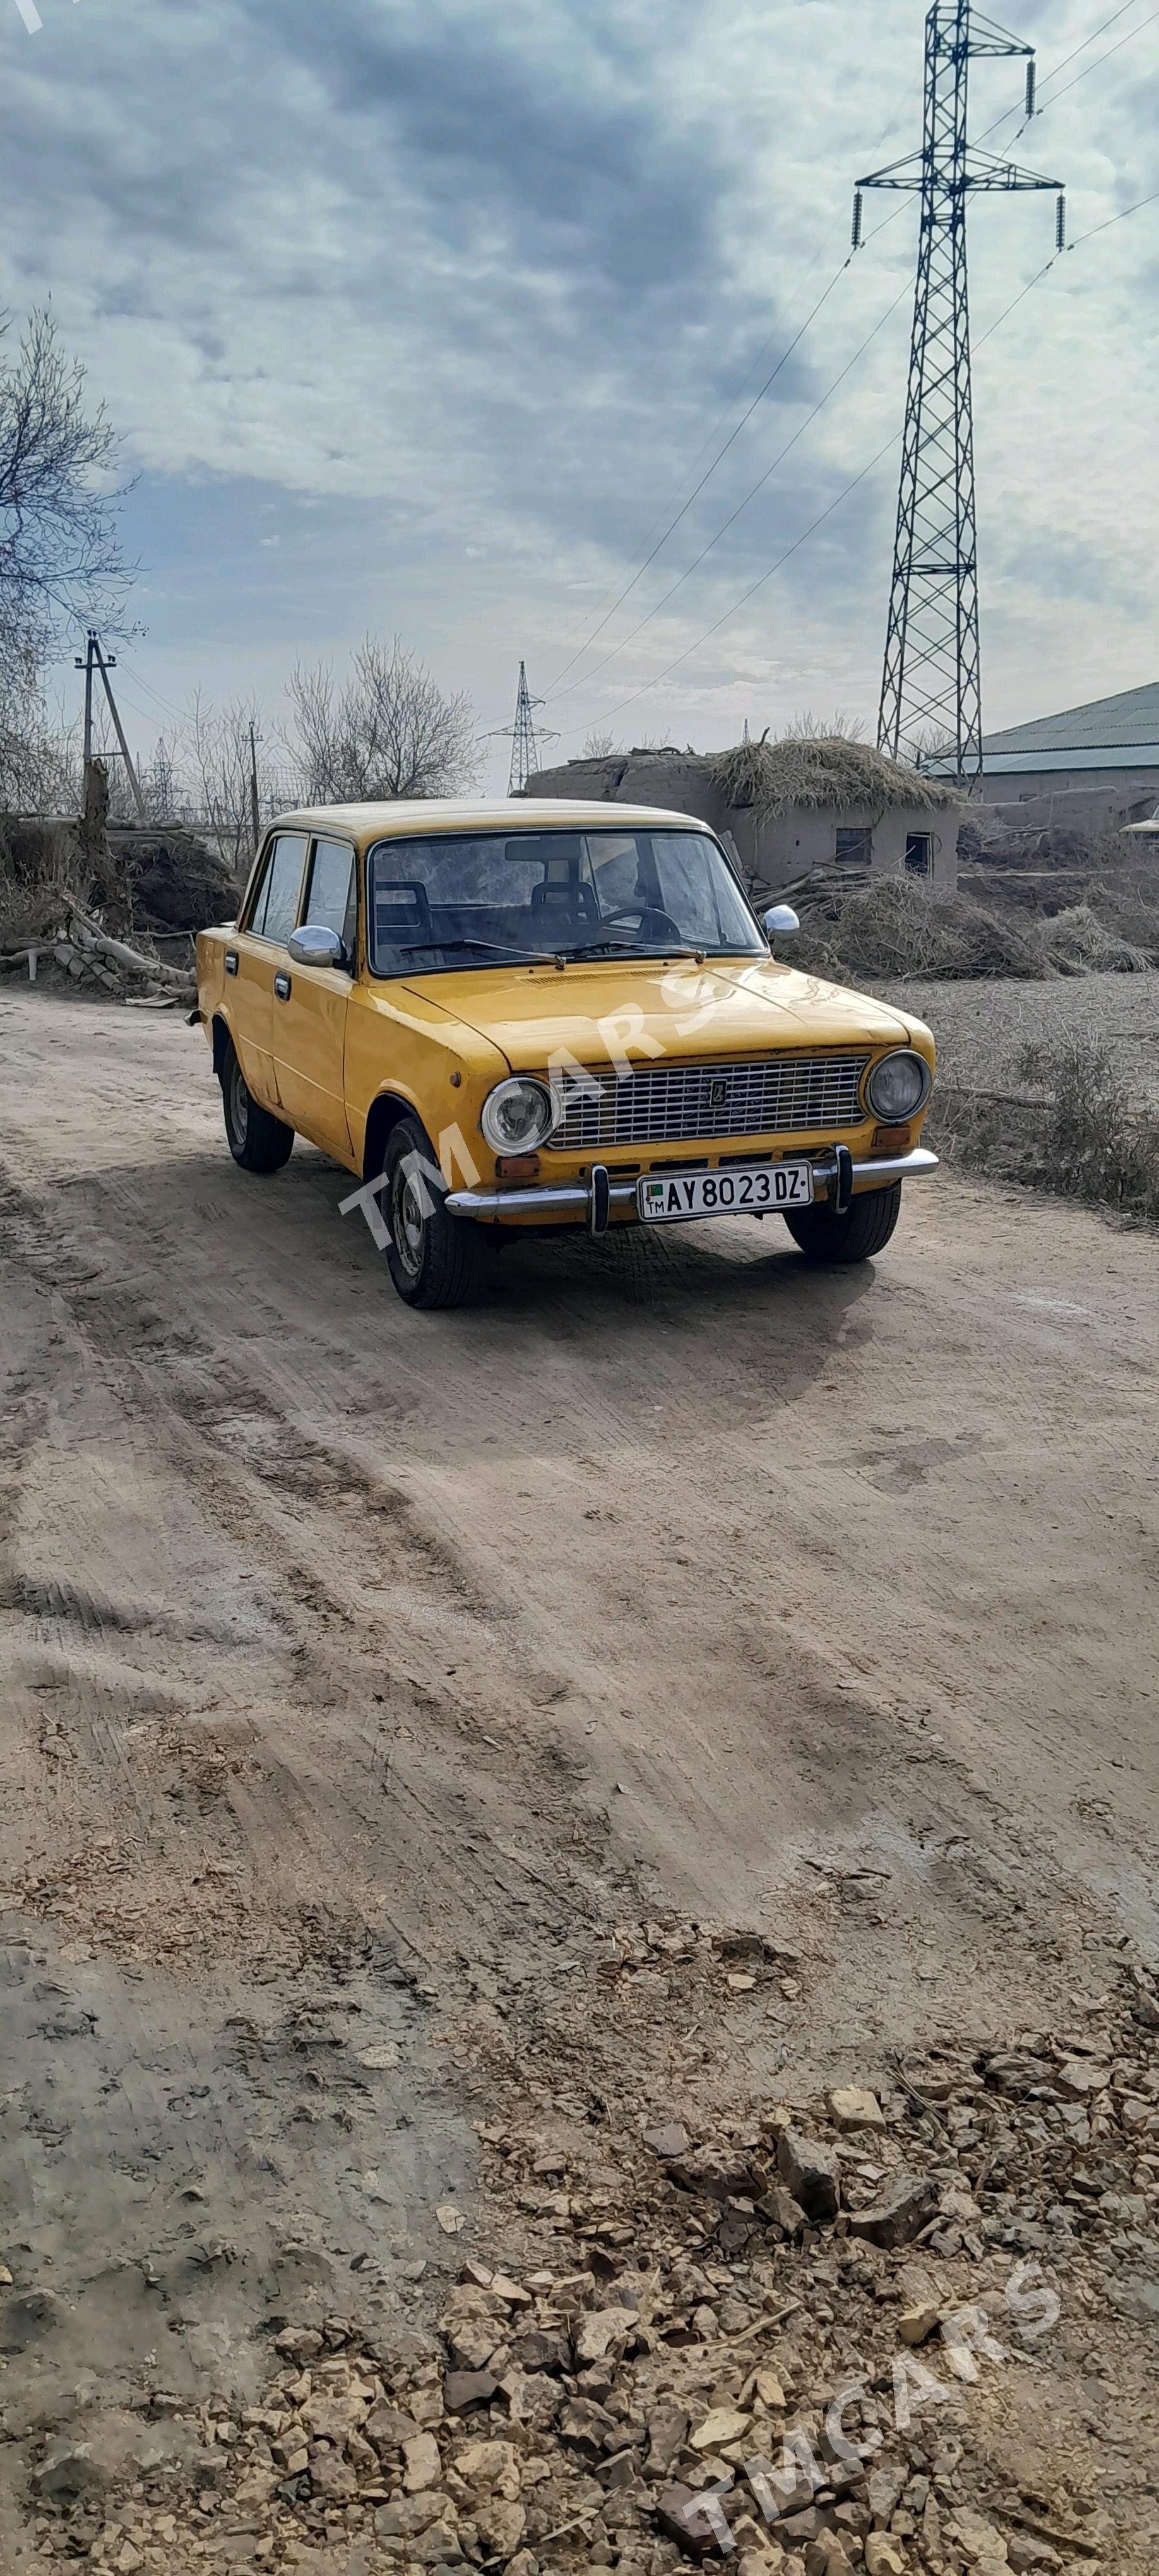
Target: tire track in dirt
[(268, 1482)]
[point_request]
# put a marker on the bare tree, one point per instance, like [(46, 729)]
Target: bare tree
[(389, 731), (600, 746), (60, 563), (207, 776), (835, 728)]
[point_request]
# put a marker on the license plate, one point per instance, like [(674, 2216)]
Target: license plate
[(673, 1197)]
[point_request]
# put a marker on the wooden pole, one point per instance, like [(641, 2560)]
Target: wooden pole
[(126, 754)]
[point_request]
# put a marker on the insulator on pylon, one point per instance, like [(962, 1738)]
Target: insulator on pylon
[(858, 209), (1031, 85), (1060, 224)]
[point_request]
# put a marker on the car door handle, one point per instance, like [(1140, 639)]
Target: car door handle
[(231, 961), (282, 988)]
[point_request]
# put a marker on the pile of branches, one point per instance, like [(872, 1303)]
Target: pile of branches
[(857, 926), (91, 956), (98, 907)]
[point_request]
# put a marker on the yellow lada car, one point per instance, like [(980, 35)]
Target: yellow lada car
[(522, 1016)]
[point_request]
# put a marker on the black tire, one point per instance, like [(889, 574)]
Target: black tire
[(434, 1259), (259, 1142), (864, 1230)]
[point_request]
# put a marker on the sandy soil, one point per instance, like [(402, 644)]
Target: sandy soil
[(361, 1669)]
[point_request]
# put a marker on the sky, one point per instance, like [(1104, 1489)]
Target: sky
[(420, 316)]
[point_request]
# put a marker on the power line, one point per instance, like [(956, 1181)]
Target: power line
[(723, 415), (742, 505), (1067, 59), (698, 488), (819, 522), (1100, 59), (630, 638)]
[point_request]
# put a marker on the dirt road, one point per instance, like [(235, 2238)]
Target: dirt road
[(362, 1668)]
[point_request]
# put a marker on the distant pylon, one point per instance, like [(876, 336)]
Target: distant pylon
[(932, 688), (524, 737), (746, 736)]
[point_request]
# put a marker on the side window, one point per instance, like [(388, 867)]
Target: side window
[(276, 909), (854, 847), (331, 902)]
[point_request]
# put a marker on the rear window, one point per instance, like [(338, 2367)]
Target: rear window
[(275, 911), (330, 904)]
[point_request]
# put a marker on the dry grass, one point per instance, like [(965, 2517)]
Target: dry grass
[(1099, 1143), (1085, 1134), (814, 770)]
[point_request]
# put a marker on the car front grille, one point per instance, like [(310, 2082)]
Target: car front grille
[(663, 1104)]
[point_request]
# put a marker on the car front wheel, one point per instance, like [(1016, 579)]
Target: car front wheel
[(259, 1142), (864, 1229), (434, 1259)]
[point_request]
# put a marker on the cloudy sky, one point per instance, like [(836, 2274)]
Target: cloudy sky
[(425, 315)]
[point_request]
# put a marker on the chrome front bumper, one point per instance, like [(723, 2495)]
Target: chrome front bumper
[(596, 1198)]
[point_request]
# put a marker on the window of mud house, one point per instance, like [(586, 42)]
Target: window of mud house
[(919, 854), (854, 847)]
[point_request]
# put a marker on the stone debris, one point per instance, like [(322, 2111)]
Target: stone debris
[(648, 2380), (901, 2214), (853, 2108), (812, 2173)]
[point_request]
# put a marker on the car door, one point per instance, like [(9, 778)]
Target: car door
[(252, 960), (310, 1004)]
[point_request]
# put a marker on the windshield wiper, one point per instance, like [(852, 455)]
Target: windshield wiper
[(626, 948), (486, 947)]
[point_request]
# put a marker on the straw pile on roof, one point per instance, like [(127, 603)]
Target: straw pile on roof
[(822, 770)]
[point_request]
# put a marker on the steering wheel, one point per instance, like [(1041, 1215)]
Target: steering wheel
[(660, 924)]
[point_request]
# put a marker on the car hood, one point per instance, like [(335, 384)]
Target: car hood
[(639, 1011)]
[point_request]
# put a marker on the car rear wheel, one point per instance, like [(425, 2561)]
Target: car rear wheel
[(434, 1259), (259, 1142), (864, 1229)]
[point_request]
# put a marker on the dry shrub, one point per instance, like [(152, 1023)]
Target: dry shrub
[(40, 873), (888, 927), (1099, 1143), (1083, 1135)]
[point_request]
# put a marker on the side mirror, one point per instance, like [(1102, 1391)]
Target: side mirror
[(780, 923), (313, 945)]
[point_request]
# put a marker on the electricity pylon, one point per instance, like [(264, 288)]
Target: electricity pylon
[(932, 689), (524, 737)]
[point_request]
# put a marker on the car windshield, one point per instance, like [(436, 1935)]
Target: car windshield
[(476, 899)]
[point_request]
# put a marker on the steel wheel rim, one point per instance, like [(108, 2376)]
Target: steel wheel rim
[(239, 1104), (408, 1224)]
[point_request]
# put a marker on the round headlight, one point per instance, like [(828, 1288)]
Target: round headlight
[(898, 1087), (517, 1115)]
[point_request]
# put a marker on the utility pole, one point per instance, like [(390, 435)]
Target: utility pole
[(931, 687), (95, 660), (524, 736), (255, 805), (87, 667)]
